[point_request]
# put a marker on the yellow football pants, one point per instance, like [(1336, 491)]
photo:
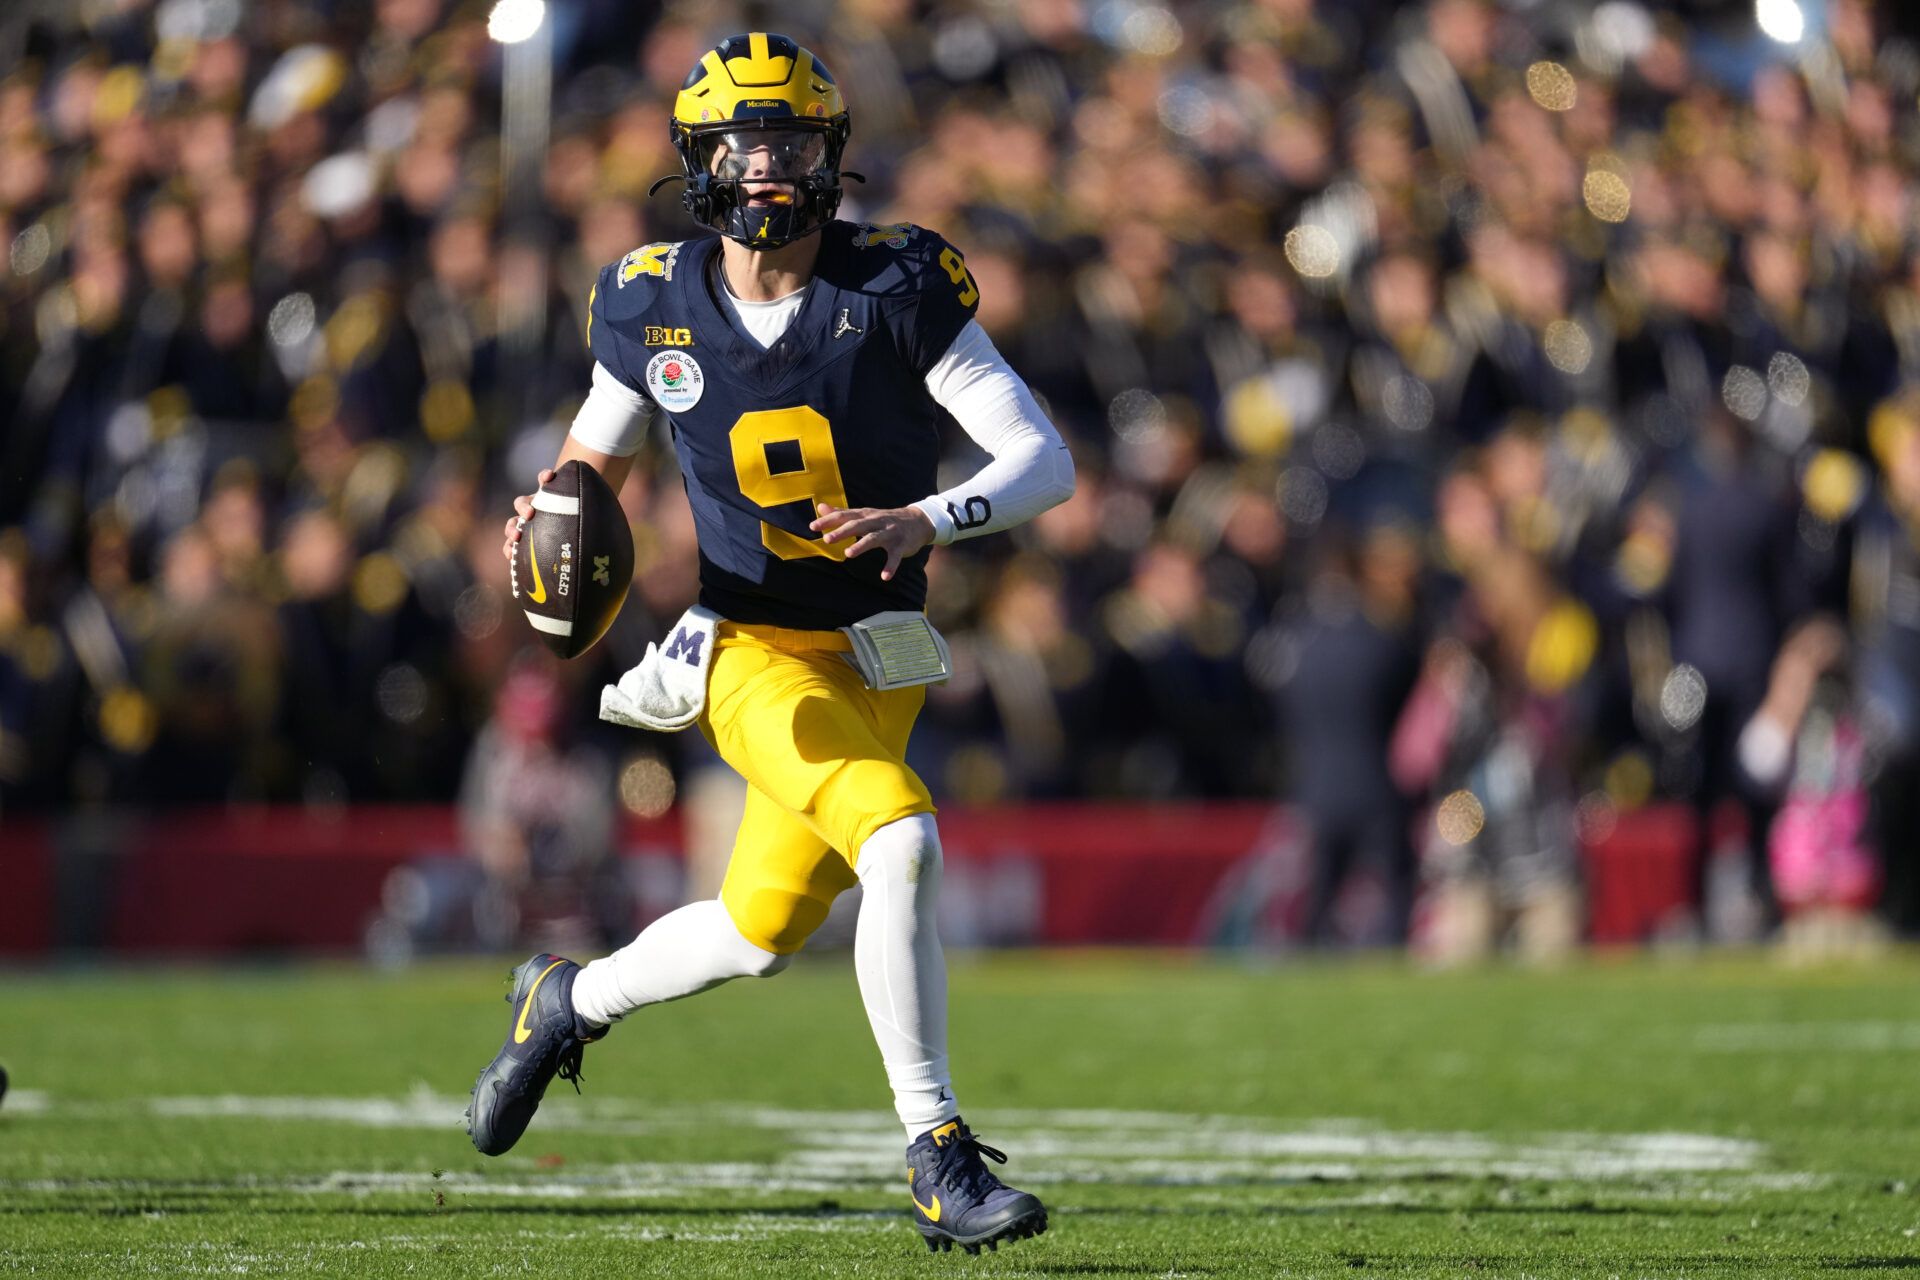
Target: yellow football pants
[(825, 762)]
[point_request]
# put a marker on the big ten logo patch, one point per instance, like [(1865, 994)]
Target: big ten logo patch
[(661, 336)]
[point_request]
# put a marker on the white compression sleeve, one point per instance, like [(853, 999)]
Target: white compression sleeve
[(614, 418), (902, 971), (681, 954), (1031, 468)]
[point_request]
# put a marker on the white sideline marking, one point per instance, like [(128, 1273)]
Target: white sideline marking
[(840, 1150), (1808, 1037)]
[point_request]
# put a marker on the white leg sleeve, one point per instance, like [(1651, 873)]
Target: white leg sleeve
[(903, 975), (681, 954)]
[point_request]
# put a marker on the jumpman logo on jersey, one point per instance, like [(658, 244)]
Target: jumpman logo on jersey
[(845, 325)]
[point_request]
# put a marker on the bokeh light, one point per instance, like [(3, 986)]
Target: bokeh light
[(646, 785), (1303, 495), (1780, 20), (512, 21), (1338, 451), (31, 248), (1607, 195), (1136, 414), (1313, 251), (1788, 379), (1459, 818), (1568, 347), (1408, 403), (1552, 86), (291, 321), (401, 693), (479, 611), (1683, 697), (1744, 392)]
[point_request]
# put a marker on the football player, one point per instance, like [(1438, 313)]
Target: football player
[(805, 366)]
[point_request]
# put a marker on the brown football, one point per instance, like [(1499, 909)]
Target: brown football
[(574, 561)]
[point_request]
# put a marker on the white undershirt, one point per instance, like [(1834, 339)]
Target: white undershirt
[(1031, 468), (763, 321)]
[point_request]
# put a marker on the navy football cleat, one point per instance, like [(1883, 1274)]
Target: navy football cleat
[(956, 1198), (545, 1040)]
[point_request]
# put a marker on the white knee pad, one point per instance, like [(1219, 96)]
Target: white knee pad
[(905, 853)]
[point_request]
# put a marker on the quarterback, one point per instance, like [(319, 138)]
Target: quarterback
[(805, 367)]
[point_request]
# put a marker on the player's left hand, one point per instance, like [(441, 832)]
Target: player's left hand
[(899, 531)]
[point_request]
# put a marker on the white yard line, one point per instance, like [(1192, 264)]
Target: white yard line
[(1807, 1037), (834, 1151)]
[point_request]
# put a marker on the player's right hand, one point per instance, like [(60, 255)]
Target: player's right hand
[(522, 512)]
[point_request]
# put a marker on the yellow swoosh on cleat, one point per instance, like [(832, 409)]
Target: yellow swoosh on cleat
[(933, 1213), (522, 1032), (539, 593)]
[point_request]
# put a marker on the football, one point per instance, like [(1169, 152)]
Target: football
[(574, 561)]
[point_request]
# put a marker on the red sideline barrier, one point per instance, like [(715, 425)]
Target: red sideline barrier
[(26, 887), (296, 879), (279, 879), (1110, 873), (1639, 874), (265, 879)]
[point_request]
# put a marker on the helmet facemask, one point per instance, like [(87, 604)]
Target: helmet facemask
[(763, 183)]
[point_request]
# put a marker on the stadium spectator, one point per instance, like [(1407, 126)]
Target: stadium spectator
[(1809, 745), (1358, 652), (536, 815)]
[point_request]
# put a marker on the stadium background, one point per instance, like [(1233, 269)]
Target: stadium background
[(1483, 414)]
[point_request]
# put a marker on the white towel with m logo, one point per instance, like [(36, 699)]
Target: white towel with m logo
[(667, 691)]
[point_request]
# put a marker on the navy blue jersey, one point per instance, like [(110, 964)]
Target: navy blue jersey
[(836, 411)]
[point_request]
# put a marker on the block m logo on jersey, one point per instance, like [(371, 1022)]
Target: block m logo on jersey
[(648, 260), (685, 645)]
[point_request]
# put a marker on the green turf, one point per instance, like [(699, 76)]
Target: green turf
[(1727, 1117)]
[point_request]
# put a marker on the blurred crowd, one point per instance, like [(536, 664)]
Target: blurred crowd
[(1491, 418)]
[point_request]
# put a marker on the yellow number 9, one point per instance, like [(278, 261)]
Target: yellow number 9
[(808, 438), (958, 273)]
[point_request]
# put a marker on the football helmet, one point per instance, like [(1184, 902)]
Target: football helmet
[(760, 126)]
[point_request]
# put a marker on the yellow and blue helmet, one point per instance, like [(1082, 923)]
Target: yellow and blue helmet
[(760, 112)]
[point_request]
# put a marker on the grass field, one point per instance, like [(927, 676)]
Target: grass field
[(1182, 1117)]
